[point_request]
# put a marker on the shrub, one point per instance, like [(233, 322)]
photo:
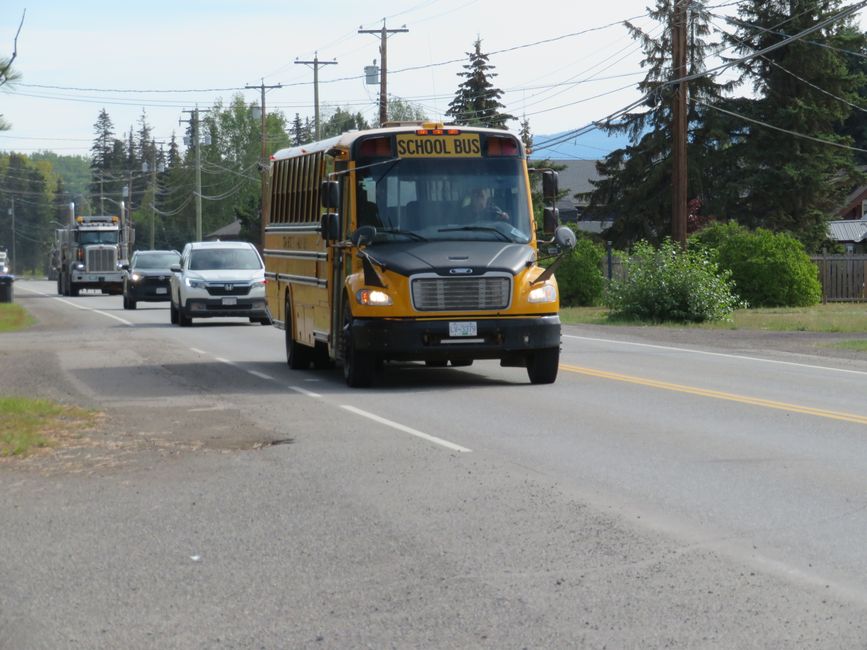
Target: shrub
[(579, 276), (769, 269), (670, 284)]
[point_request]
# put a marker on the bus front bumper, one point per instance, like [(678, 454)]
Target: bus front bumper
[(507, 339)]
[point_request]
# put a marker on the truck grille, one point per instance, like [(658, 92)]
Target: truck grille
[(100, 260), (461, 294)]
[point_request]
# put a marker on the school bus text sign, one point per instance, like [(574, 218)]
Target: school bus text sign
[(466, 145)]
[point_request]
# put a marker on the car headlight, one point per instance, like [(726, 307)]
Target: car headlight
[(545, 293), (373, 297), (194, 284), (135, 277)]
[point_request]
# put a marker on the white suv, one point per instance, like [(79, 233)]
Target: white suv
[(218, 279)]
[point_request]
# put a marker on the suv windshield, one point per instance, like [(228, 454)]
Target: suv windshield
[(155, 260), (218, 259), (445, 199)]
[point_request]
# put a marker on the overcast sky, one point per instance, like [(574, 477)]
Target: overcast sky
[(573, 61)]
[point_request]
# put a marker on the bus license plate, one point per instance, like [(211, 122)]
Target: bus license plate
[(230, 301), (463, 328)]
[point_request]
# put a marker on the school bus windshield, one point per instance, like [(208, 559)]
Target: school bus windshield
[(445, 199)]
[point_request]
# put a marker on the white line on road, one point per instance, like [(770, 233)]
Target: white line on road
[(226, 361), (304, 391), (260, 375), (81, 307), (715, 354), (198, 351), (405, 429)]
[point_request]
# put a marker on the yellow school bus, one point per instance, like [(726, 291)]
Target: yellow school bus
[(414, 242)]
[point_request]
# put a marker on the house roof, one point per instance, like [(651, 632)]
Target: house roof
[(848, 230), (232, 229), (576, 175)]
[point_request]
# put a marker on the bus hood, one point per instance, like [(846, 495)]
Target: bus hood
[(451, 258)]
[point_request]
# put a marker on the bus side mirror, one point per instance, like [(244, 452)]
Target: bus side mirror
[(329, 226), (550, 220), (364, 235), (550, 185), (565, 238), (330, 193)]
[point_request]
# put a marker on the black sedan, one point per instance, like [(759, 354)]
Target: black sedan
[(146, 277)]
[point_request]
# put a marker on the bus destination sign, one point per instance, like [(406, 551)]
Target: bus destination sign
[(411, 145)]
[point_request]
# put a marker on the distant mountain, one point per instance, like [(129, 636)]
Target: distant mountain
[(590, 146)]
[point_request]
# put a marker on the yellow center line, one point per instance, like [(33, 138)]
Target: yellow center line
[(716, 394)]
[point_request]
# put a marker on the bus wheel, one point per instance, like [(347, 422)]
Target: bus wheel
[(298, 355), (359, 367), (542, 365)]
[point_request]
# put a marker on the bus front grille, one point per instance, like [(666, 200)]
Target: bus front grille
[(461, 294)]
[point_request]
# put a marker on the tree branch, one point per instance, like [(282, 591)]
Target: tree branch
[(4, 72)]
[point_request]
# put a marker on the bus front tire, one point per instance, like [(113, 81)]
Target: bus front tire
[(542, 365), (359, 366)]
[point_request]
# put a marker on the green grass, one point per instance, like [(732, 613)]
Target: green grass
[(832, 317), (28, 424), (14, 317), (859, 345)]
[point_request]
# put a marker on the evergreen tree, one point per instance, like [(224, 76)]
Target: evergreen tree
[(477, 101), (792, 184), (101, 160), (526, 135), (300, 135), (341, 121), (636, 183), (8, 75)]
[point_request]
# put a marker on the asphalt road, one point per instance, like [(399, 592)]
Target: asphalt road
[(706, 492)]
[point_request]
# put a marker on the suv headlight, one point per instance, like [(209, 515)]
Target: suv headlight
[(135, 277), (545, 293), (194, 284)]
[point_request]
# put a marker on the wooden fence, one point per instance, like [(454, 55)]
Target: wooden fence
[(842, 276)]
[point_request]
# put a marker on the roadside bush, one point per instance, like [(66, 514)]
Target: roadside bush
[(579, 276), (768, 269), (670, 284)]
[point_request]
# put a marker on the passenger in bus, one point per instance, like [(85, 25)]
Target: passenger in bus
[(478, 207)]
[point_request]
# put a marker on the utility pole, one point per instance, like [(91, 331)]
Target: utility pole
[(679, 18), (196, 141), (316, 63), (12, 212), (264, 205), (383, 90)]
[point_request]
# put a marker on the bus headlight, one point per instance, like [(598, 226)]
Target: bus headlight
[(545, 293), (373, 297)]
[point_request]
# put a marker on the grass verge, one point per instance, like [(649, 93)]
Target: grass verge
[(14, 317), (832, 317), (29, 424)]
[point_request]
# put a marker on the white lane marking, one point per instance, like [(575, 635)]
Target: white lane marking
[(198, 351), (405, 429), (304, 391), (717, 354), (226, 361), (260, 375), (207, 408), (81, 307)]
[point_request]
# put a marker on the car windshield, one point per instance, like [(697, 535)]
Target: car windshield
[(445, 199), (155, 260), (216, 259), (97, 237)]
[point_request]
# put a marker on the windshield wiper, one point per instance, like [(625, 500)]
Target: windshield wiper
[(502, 235), (405, 233)]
